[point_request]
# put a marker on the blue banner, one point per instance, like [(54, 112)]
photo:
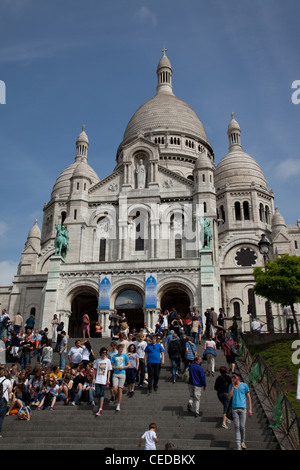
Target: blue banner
[(151, 290), (104, 291)]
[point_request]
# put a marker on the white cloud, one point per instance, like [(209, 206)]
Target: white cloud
[(31, 51), (8, 269), (288, 168), (145, 15)]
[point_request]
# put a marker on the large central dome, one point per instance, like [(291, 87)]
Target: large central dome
[(165, 112)]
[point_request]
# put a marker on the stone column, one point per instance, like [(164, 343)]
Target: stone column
[(51, 291)]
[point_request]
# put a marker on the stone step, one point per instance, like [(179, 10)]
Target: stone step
[(78, 428)]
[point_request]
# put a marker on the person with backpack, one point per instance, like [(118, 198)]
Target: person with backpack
[(174, 351), (190, 352), (5, 391)]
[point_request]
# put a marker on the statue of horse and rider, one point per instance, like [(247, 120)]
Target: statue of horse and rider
[(61, 242)]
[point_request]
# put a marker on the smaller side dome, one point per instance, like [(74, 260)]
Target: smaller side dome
[(34, 238), (238, 168), (278, 222), (35, 231), (62, 185), (203, 161)]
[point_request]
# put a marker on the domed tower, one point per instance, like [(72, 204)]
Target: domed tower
[(67, 187), (170, 124), (243, 198), (244, 208)]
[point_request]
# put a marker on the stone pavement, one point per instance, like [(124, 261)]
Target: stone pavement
[(78, 428)]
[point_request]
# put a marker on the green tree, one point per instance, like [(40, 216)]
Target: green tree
[(279, 282)]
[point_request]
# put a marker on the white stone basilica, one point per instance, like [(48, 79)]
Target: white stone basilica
[(146, 221)]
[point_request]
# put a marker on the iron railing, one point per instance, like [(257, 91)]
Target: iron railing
[(289, 419)]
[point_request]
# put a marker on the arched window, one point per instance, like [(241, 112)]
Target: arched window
[(140, 223), (33, 311), (236, 309), (237, 210), (267, 214), (246, 210), (102, 250), (251, 303), (261, 212), (63, 217), (222, 213), (178, 247)]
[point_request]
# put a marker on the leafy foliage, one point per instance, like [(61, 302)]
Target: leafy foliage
[(280, 281)]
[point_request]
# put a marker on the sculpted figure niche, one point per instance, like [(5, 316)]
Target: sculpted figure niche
[(141, 175)]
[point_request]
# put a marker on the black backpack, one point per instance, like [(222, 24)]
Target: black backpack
[(172, 347), (1, 389)]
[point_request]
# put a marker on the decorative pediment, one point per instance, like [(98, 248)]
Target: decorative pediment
[(111, 184), (169, 179)]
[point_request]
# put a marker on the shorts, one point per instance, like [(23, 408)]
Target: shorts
[(99, 390), (131, 375), (119, 380)]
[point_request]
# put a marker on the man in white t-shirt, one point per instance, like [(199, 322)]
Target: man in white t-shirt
[(75, 354), (140, 345), (102, 379)]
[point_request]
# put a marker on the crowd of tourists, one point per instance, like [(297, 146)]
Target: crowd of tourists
[(133, 360)]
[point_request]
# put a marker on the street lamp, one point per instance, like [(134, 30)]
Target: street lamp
[(264, 248)]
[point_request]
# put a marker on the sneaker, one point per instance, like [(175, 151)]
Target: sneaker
[(73, 403), (189, 407), (228, 421), (99, 413), (51, 408), (118, 407), (93, 403), (224, 425), (243, 445)]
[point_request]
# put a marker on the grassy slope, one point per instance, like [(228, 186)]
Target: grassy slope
[(278, 356)]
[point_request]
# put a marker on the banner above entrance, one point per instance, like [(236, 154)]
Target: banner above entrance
[(104, 291), (151, 290)]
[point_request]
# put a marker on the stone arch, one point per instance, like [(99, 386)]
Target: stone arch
[(81, 297), (177, 294), (134, 309)]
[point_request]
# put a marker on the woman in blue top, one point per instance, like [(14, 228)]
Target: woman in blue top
[(239, 393), (120, 362)]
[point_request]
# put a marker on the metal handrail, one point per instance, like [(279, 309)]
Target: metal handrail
[(272, 389), (261, 319)]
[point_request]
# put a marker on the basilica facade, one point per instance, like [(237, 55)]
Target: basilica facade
[(168, 228)]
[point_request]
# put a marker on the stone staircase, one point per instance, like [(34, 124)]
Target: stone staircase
[(78, 428)]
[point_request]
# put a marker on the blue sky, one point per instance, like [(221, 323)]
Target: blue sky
[(68, 63)]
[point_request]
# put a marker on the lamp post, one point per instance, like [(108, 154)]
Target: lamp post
[(264, 248)]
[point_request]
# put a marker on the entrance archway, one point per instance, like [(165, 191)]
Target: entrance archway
[(177, 298), (86, 301), (131, 303)]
